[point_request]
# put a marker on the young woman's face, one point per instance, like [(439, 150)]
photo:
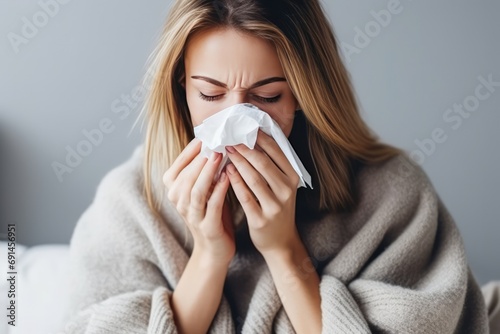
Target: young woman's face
[(226, 67)]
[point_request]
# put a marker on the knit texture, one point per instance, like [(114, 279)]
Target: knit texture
[(394, 264)]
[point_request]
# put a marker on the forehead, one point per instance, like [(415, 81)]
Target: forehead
[(231, 50)]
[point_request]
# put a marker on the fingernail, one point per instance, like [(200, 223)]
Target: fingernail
[(214, 156), (230, 149)]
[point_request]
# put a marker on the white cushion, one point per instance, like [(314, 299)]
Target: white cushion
[(41, 286)]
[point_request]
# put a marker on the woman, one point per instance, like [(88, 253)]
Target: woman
[(370, 248)]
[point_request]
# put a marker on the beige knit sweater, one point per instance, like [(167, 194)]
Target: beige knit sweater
[(396, 264)]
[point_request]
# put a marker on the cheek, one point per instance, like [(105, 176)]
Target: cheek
[(284, 117), (197, 107)]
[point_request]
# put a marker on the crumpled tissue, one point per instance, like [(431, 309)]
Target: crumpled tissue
[(239, 124)]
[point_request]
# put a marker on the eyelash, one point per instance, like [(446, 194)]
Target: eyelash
[(263, 99)]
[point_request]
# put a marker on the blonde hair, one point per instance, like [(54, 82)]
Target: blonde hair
[(307, 49)]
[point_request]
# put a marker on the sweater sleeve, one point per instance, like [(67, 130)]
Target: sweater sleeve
[(404, 269), (125, 263)]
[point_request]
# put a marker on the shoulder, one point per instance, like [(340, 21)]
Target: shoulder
[(128, 176), (117, 202), (398, 182), (398, 173)]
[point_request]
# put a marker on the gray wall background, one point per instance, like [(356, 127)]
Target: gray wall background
[(71, 74)]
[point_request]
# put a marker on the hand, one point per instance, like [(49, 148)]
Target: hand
[(201, 203), (267, 190)]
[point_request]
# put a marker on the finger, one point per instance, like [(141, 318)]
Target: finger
[(264, 165), (184, 158), (180, 188), (258, 148), (274, 151), (255, 181), (201, 188), (244, 195), (216, 201)]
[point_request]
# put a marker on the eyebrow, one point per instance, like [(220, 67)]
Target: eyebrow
[(255, 85)]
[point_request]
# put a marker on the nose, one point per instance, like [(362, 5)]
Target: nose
[(239, 97)]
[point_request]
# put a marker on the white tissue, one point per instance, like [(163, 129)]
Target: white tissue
[(239, 124)]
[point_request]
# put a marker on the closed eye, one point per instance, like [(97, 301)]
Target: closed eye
[(209, 98), (268, 99), (260, 98)]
